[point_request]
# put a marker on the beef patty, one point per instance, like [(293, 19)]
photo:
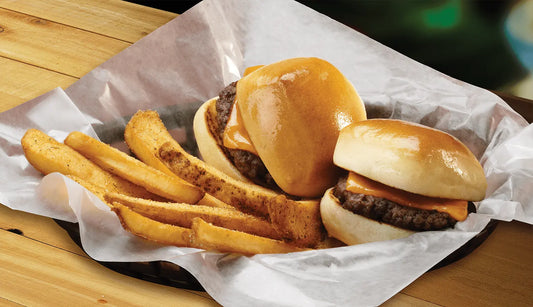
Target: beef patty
[(249, 164), (386, 211)]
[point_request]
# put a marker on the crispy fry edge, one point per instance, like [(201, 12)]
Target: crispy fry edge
[(133, 170)]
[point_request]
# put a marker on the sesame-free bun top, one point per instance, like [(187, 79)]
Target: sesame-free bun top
[(411, 157), (293, 111)]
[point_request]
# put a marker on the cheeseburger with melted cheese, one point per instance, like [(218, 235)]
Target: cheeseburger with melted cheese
[(401, 178), (278, 125)]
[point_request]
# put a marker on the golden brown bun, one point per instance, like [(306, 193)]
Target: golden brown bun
[(210, 151), (411, 157), (352, 228), (293, 111)]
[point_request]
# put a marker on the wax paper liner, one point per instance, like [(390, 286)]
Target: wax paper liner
[(187, 61)]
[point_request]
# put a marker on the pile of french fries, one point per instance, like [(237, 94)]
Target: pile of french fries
[(166, 195)]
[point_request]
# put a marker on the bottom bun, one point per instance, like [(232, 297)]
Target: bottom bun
[(210, 151), (352, 228)]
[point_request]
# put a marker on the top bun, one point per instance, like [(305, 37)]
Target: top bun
[(293, 111), (411, 157)]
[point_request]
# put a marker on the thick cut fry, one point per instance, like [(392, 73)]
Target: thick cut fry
[(48, 155), (149, 229), (180, 214), (298, 221), (144, 134), (93, 188), (247, 197), (121, 164), (210, 201), (209, 237)]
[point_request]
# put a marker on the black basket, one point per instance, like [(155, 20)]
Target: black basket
[(170, 274)]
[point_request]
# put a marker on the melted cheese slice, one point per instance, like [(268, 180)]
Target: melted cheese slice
[(235, 135), (458, 209)]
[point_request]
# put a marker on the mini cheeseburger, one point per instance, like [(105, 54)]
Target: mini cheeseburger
[(402, 178), (277, 126)]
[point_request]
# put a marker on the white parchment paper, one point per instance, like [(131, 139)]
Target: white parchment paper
[(188, 61)]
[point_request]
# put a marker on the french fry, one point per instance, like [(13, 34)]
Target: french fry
[(150, 229), (144, 134), (133, 170), (48, 155), (303, 225), (210, 201), (209, 237), (246, 197), (182, 215), (93, 188), (300, 222), (211, 210)]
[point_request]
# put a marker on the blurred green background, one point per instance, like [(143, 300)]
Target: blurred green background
[(463, 39)]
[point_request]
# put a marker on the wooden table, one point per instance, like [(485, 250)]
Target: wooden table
[(49, 43)]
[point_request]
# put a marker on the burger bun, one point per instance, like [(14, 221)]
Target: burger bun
[(352, 228), (210, 151), (411, 157)]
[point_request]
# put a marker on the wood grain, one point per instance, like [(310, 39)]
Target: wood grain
[(114, 18), (61, 277), (495, 274), (54, 46), (403, 300), (38, 228), (78, 35), (20, 82)]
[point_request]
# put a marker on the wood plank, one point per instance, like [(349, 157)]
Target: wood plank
[(55, 277), (119, 19), (8, 101), (54, 46), (20, 82), (494, 274), (38, 228), (402, 300), (6, 303), (44, 230)]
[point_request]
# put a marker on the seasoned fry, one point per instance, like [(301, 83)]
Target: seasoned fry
[(251, 199), (298, 221), (121, 164), (149, 229), (48, 155), (210, 210), (211, 201), (144, 134), (93, 188), (182, 215), (209, 237), (302, 225)]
